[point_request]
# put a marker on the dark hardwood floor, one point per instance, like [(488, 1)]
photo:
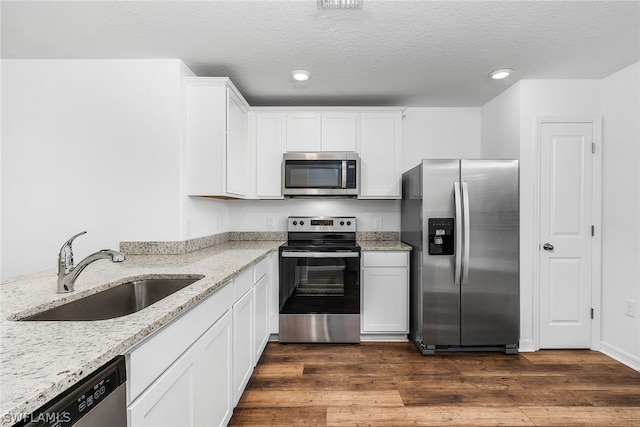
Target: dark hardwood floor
[(392, 384)]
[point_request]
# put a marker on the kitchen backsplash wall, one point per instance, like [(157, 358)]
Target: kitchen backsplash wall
[(191, 245), (271, 215)]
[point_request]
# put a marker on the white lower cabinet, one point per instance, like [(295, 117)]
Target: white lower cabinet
[(196, 389), (385, 294), (214, 384), (192, 372), (274, 293), (261, 317), (169, 400), (242, 344)]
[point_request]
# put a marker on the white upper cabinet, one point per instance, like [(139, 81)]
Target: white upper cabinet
[(216, 132), (339, 131), (315, 131), (237, 149), (303, 131), (375, 133), (270, 144), (380, 140)]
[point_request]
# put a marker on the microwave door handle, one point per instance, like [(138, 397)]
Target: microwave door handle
[(344, 174)]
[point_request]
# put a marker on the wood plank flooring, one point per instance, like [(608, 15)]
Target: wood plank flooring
[(392, 384)]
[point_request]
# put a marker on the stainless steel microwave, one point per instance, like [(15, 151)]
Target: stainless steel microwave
[(320, 174)]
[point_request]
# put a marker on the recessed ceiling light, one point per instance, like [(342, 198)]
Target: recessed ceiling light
[(300, 75), (500, 74)]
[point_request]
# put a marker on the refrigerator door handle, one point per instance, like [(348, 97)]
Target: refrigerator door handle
[(458, 220), (467, 230)]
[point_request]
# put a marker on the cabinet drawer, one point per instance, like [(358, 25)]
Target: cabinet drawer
[(242, 283), (384, 259), (260, 269), (154, 355)]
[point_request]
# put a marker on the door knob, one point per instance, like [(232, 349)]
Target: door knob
[(547, 247)]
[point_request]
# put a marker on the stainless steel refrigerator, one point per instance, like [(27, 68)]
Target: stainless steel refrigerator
[(461, 218)]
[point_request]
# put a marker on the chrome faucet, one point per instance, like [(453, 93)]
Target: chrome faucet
[(68, 272)]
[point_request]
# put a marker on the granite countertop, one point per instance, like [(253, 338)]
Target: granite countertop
[(39, 360), (383, 245)]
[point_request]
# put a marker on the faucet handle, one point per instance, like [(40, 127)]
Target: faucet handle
[(66, 252)]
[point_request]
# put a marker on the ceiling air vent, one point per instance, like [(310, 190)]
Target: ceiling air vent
[(340, 4)]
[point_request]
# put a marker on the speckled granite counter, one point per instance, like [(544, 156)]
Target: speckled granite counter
[(383, 245), (39, 360)]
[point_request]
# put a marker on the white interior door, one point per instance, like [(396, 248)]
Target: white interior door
[(565, 234)]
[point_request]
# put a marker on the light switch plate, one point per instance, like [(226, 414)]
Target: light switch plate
[(378, 223), (629, 308)]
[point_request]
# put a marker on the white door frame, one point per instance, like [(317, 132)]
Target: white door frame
[(596, 212)]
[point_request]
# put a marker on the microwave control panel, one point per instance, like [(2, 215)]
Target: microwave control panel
[(352, 180)]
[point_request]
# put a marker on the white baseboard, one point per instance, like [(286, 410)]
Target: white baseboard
[(526, 346), (620, 355), (390, 337)]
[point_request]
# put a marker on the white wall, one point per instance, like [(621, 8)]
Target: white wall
[(565, 98), (621, 214), (500, 120), (88, 145), (252, 215), (439, 133)]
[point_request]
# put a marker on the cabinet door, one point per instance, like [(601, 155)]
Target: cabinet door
[(274, 291), (385, 300), (270, 145), (206, 128), (261, 317), (237, 145), (339, 131), (242, 344), (169, 400), (380, 138), (303, 131), (214, 382)]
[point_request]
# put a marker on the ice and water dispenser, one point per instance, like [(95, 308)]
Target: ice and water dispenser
[(441, 238)]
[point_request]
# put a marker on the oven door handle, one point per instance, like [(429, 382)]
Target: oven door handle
[(302, 254)]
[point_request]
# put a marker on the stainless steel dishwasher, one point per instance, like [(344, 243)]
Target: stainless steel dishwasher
[(96, 401)]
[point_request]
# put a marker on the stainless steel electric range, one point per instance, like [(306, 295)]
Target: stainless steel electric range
[(320, 281)]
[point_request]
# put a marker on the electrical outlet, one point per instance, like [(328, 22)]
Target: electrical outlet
[(187, 228), (378, 223), (629, 308), (269, 223)]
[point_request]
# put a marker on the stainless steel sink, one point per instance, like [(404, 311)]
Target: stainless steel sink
[(118, 301)]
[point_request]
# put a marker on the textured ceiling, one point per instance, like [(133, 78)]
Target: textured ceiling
[(414, 53)]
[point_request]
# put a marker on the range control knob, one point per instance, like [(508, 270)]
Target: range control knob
[(341, 222), (348, 222), (295, 222), (301, 222)]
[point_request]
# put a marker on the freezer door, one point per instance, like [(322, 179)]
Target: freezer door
[(490, 290), (440, 294)]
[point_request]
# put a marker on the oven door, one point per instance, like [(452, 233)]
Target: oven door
[(319, 296)]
